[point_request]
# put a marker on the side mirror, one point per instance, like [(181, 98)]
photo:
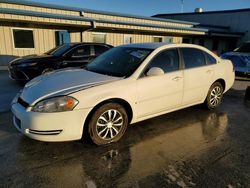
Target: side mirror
[(155, 71)]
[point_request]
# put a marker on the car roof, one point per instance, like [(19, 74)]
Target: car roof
[(88, 43), (153, 45), (156, 45)]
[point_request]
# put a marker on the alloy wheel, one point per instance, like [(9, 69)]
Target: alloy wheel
[(215, 96), (109, 124)]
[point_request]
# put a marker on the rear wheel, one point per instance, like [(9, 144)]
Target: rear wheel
[(108, 124), (214, 96)]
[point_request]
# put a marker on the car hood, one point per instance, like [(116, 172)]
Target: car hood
[(62, 82), (31, 58)]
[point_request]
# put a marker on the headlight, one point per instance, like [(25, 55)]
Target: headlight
[(27, 64), (57, 104)]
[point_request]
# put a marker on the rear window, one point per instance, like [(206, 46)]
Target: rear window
[(210, 59)]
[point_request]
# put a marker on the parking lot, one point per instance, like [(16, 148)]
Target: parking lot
[(188, 148)]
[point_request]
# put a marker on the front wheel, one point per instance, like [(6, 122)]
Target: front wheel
[(108, 124), (214, 96)]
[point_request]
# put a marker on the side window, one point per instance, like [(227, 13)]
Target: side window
[(193, 57), (167, 60), (81, 51), (210, 59), (99, 49)]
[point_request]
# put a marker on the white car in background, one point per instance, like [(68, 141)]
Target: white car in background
[(125, 85)]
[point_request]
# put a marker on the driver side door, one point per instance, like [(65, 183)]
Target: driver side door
[(156, 94)]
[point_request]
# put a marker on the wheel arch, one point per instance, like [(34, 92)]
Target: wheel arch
[(120, 101), (222, 82)]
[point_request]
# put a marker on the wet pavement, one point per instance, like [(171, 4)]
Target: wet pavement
[(8, 90), (188, 148)]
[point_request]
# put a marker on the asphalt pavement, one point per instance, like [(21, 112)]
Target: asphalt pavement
[(8, 90), (188, 148)]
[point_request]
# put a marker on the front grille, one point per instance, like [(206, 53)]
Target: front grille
[(22, 102)]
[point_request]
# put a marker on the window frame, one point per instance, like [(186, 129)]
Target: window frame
[(158, 37), (96, 33), (130, 36), (24, 29), (169, 38), (142, 74)]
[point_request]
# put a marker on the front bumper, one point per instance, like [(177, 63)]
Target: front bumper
[(49, 127), (23, 73), (18, 75)]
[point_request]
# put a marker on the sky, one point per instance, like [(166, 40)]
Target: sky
[(151, 7)]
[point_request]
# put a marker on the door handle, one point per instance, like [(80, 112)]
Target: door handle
[(208, 71), (177, 78)]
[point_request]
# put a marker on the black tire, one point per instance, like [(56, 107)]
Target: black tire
[(112, 129), (214, 96)]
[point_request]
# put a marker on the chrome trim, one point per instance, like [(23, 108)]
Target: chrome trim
[(49, 132)]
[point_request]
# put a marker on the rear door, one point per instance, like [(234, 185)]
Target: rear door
[(198, 75)]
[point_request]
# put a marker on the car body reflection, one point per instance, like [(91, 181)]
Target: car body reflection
[(146, 150), (165, 142)]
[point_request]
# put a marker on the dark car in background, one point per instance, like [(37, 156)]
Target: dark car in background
[(63, 56), (240, 57)]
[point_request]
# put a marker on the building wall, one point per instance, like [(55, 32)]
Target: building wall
[(237, 21), (116, 39), (91, 14), (223, 44), (44, 40), (45, 25)]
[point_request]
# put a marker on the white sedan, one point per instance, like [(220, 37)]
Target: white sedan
[(125, 85)]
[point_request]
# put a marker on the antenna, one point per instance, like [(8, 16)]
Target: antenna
[(182, 6)]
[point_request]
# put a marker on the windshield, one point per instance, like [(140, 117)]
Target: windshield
[(119, 61), (59, 50), (244, 48)]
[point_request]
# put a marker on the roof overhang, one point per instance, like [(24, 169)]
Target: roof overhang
[(79, 21), (82, 10)]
